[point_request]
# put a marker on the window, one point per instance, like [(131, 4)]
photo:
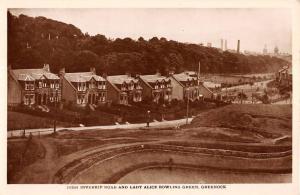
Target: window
[(28, 99), (101, 85), (102, 97), (130, 86), (51, 97), (81, 86), (138, 86), (29, 85), (92, 84), (169, 84), (123, 99), (57, 85), (80, 99), (137, 97), (44, 84), (40, 84), (52, 84), (123, 87)]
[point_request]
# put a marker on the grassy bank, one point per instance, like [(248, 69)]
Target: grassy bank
[(17, 120)]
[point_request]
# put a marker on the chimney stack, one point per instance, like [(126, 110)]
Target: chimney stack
[(158, 72), (46, 67), (128, 74), (93, 70), (137, 75), (225, 45), (238, 47), (62, 72), (104, 75)]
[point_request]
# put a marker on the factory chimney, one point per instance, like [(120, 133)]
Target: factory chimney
[(225, 47), (222, 44), (238, 47)]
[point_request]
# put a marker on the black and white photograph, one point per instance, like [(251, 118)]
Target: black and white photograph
[(149, 96)]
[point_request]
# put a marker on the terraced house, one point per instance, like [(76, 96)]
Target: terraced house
[(83, 88), (186, 84), (124, 89), (33, 87), (156, 87)]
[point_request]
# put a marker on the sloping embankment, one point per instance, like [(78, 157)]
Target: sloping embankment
[(110, 165)]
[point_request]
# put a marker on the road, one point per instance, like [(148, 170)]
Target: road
[(45, 131)]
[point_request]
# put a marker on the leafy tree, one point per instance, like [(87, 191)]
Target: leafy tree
[(34, 41)]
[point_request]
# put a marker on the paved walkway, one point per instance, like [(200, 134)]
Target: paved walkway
[(45, 131)]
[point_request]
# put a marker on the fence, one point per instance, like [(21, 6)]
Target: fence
[(27, 133)]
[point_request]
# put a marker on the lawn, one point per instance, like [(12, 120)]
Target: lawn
[(17, 120), (21, 153), (257, 121), (248, 128)]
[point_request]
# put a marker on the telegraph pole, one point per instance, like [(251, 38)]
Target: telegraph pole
[(55, 105), (187, 105), (199, 69)]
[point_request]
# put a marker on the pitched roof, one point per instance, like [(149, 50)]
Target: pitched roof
[(33, 74), (154, 78), (185, 76), (82, 77), (120, 79), (209, 84)]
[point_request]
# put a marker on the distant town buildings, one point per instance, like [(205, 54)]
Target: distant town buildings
[(276, 50), (276, 53), (265, 50)]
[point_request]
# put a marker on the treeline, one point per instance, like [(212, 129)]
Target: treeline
[(35, 41)]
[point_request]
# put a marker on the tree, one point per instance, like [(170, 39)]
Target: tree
[(84, 60), (34, 41)]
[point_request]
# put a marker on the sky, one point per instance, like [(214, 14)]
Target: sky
[(253, 27)]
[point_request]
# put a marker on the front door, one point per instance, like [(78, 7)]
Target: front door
[(38, 99), (44, 99), (90, 99)]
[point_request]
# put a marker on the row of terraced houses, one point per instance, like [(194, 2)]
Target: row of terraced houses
[(41, 87)]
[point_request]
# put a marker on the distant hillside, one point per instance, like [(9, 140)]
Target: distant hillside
[(34, 41)]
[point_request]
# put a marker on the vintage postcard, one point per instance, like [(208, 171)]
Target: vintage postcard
[(116, 98)]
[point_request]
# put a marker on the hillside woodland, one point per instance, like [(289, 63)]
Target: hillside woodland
[(36, 41)]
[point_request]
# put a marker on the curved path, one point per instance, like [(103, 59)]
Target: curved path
[(109, 163), (108, 166)]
